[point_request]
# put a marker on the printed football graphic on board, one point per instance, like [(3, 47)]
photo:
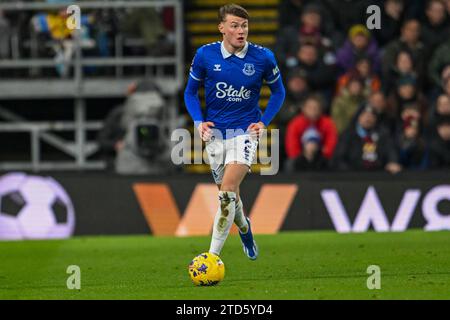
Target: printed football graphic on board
[(33, 207)]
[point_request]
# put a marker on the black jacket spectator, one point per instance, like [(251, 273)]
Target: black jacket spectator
[(289, 12), (385, 116), (438, 63), (412, 145), (309, 29), (348, 12), (436, 25), (409, 41), (364, 146), (391, 19), (319, 75), (440, 144)]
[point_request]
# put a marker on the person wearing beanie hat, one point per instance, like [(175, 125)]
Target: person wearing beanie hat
[(359, 42), (311, 135), (407, 93), (311, 158), (358, 29)]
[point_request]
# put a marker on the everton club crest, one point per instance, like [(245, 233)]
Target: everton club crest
[(249, 69)]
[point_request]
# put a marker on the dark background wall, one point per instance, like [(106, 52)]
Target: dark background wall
[(107, 204)]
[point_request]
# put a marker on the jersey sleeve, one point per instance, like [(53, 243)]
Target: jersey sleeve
[(198, 70), (271, 72)]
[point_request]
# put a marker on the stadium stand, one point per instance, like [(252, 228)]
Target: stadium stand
[(401, 71), (47, 62)]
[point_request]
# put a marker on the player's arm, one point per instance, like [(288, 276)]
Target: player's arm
[(191, 99), (273, 106), (194, 108), (277, 92), (277, 95)]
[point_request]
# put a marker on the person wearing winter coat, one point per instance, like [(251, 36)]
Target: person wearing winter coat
[(366, 146), (359, 42), (313, 122)]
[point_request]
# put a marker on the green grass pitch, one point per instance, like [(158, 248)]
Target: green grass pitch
[(300, 265)]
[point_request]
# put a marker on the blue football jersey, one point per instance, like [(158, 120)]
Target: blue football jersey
[(233, 83)]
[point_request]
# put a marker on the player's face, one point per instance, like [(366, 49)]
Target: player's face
[(234, 30)]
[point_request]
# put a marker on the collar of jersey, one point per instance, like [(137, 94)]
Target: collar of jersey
[(241, 54)]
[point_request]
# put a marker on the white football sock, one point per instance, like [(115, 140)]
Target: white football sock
[(223, 221), (239, 217)]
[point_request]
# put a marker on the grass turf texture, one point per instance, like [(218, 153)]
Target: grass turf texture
[(306, 265)]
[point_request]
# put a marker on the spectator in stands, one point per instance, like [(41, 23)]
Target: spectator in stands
[(436, 25), (5, 33), (365, 146), (385, 115), (440, 144), (311, 158), (147, 24), (310, 30), (289, 11), (412, 146), (442, 109), (347, 13), (391, 20), (105, 29), (446, 86), (359, 43), (407, 93), (297, 91), (319, 75), (344, 106), (409, 41), (404, 67), (54, 26), (363, 70), (410, 116), (439, 61), (311, 136)]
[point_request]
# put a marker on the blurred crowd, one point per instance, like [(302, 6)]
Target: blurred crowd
[(357, 99), (104, 33), (360, 99)]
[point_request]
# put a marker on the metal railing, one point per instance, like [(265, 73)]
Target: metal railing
[(77, 87)]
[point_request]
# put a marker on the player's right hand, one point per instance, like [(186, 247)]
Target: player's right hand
[(205, 131)]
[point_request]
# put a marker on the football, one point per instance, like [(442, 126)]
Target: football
[(206, 269), (33, 207)]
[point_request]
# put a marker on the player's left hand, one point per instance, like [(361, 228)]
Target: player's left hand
[(256, 129)]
